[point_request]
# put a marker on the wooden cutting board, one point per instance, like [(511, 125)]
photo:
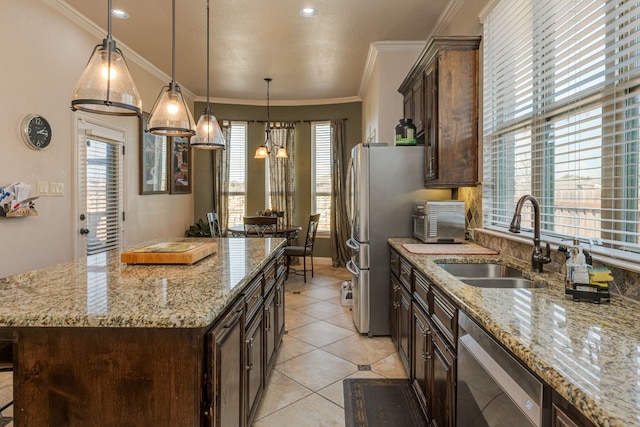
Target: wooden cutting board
[(169, 253), (448, 249)]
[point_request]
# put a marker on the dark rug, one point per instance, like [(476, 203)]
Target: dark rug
[(370, 402)]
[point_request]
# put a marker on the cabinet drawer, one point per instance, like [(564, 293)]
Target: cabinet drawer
[(394, 262), (281, 263), (253, 297), (445, 315), (421, 287), (270, 275), (405, 274)]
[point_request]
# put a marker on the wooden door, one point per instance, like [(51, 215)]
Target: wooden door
[(254, 366)]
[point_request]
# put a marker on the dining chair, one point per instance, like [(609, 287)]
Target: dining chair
[(260, 225), (214, 224), (306, 250)]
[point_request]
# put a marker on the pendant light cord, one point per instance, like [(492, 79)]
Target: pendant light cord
[(173, 40), (109, 22)]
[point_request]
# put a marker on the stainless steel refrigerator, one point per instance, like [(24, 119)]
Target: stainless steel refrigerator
[(383, 181)]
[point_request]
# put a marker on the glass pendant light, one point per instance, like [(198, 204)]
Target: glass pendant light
[(170, 115), (263, 151), (106, 86), (208, 133)]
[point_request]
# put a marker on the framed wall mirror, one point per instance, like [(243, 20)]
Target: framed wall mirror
[(154, 161)]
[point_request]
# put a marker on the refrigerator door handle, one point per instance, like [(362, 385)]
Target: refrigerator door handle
[(351, 267), (349, 193), (353, 244)]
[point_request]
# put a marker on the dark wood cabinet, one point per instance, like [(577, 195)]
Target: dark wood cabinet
[(443, 396), (225, 370), (270, 328), (413, 93), (394, 308), (254, 366), (404, 327), (564, 414), (422, 353), (447, 73)]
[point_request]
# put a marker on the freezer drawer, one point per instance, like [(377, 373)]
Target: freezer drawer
[(360, 287)]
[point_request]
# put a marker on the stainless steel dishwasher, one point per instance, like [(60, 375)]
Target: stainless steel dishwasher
[(493, 388)]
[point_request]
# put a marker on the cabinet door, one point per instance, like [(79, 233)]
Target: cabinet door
[(408, 105), (421, 366), (270, 330), (279, 323), (405, 327), (254, 366), (443, 389), (417, 92), (431, 123), (394, 309), (225, 371)]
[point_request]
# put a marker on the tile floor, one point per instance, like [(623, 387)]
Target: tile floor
[(320, 349)]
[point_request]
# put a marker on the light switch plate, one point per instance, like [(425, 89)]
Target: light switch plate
[(56, 189), (42, 188)]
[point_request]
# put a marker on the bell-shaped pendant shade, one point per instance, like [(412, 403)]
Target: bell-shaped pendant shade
[(170, 115), (261, 152), (282, 153), (106, 85), (208, 133)]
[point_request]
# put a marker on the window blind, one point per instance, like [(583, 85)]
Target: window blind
[(237, 146), (561, 107), (321, 177)]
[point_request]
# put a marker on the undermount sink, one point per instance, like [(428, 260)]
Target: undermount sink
[(481, 270), (500, 282), (489, 275)]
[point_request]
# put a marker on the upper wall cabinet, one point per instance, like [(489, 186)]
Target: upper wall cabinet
[(447, 75)]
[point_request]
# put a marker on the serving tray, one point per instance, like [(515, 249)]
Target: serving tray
[(169, 253)]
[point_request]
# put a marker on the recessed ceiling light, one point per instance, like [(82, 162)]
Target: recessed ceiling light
[(308, 12), (119, 13)]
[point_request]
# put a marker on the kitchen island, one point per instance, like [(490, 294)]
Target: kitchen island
[(588, 354), (98, 342)]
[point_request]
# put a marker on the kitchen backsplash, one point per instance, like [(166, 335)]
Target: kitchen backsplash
[(625, 283)]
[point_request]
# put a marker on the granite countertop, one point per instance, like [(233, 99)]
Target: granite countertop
[(589, 353), (100, 291)]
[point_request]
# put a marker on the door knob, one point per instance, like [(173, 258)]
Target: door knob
[(84, 231)]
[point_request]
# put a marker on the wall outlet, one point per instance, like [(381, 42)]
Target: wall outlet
[(42, 188), (56, 189)]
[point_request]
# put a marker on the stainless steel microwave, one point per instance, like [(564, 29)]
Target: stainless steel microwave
[(439, 221)]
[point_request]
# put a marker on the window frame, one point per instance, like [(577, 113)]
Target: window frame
[(324, 126)]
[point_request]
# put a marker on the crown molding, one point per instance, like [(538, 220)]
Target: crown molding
[(446, 17)]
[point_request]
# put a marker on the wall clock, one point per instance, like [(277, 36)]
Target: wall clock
[(36, 132)]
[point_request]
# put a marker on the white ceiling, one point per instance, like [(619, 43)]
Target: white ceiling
[(320, 58)]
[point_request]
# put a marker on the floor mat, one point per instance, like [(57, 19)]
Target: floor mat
[(372, 402)]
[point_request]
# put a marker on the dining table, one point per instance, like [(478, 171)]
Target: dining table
[(290, 232)]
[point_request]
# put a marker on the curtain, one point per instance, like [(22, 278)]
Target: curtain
[(339, 228), (281, 188), (220, 160)]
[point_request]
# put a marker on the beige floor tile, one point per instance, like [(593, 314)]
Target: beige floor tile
[(320, 292), (312, 411), (320, 309), (292, 347), (295, 301), (320, 334), (335, 391), (362, 350), (317, 369), (294, 319), (390, 367), (282, 391), (344, 320)]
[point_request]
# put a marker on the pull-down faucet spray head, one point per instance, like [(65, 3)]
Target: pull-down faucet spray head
[(538, 258)]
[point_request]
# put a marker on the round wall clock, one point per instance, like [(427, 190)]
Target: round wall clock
[(36, 132)]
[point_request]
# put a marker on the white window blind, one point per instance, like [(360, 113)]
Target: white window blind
[(561, 109), (237, 146), (102, 186), (321, 177)]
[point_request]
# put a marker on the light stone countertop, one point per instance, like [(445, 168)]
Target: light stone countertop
[(100, 291), (589, 353)]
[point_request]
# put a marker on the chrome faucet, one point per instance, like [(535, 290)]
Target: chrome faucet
[(538, 259)]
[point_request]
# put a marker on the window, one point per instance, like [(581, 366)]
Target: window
[(561, 106), (237, 146), (321, 173)]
